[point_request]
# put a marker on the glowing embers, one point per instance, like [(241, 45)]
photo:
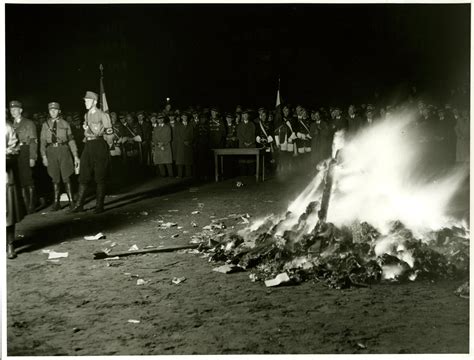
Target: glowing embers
[(370, 216), (342, 257)]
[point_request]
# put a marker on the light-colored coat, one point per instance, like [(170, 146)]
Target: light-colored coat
[(161, 139)]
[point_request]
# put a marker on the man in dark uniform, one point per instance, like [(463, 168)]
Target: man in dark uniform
[(26, 132), (185, 134), (216, 130), (144, 130), (202, 149), (231, 132), (98, 133), (56, 135)]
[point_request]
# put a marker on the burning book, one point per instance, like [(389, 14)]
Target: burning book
[(366, 217)]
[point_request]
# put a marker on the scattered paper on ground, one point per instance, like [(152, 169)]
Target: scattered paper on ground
[(177, 280), (133, 321), (168, 225), (227, 269), (95, 237), (278, 280), (55, 255), (134, 247), (195, 212), (145, 213)]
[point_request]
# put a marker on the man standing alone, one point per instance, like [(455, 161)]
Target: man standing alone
[(98, 134)]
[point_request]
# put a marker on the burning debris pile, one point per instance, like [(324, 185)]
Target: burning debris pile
[(367, 216), (341, 257)]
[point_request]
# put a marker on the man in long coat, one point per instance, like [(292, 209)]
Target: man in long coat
[(184, 147), (161, 139)]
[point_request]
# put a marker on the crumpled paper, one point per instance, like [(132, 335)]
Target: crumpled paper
[(98, 236), (55, 255), (177, 280)]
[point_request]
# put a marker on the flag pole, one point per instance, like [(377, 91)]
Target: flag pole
[(101, 68)]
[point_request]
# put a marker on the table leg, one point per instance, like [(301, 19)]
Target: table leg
[(215, 167), (222, 167), (263, 167), (258, 166)]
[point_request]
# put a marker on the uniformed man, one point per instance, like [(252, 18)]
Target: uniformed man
[(231, 132), (57, 144), (26, 132), (144, 130), (285, 136), (99, 136), (216, 130), (264, 131), (303, 141)]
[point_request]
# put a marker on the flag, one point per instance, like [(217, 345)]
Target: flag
[(278, 101), (278, 114), (103, 100)]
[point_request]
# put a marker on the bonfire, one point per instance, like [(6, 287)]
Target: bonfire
[(368, 215)]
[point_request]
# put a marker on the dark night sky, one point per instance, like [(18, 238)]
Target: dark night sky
[(229, 54)]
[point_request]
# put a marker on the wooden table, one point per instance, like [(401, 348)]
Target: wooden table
[(257, 152)]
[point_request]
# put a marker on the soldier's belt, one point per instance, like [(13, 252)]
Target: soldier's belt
[(56, 144), (89, 138)]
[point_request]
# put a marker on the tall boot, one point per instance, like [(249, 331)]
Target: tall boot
[(57, 197), (32, 206), (81, 198), (26, 197), (11, 253), (99, 201), (69, 195)]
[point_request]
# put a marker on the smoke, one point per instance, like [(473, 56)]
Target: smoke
[(383, 176)]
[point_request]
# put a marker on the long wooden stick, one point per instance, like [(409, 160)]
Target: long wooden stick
[(103, 255)]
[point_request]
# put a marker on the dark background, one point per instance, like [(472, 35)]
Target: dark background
[(229, 54)]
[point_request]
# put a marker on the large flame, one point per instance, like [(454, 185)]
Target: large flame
[(379, 181)]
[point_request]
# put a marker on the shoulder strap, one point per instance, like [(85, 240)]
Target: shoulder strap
[(263, 129), (302, 123)]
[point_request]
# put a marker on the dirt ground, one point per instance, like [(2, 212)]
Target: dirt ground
[(82, 306)]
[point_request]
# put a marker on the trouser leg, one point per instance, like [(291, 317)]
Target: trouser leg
[(11, 253), (81, 197), (100, 197), (57, 196), (32, 204), (169, 167), (69, 194)]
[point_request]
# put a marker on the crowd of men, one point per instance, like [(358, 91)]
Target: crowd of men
[(179, 142)]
